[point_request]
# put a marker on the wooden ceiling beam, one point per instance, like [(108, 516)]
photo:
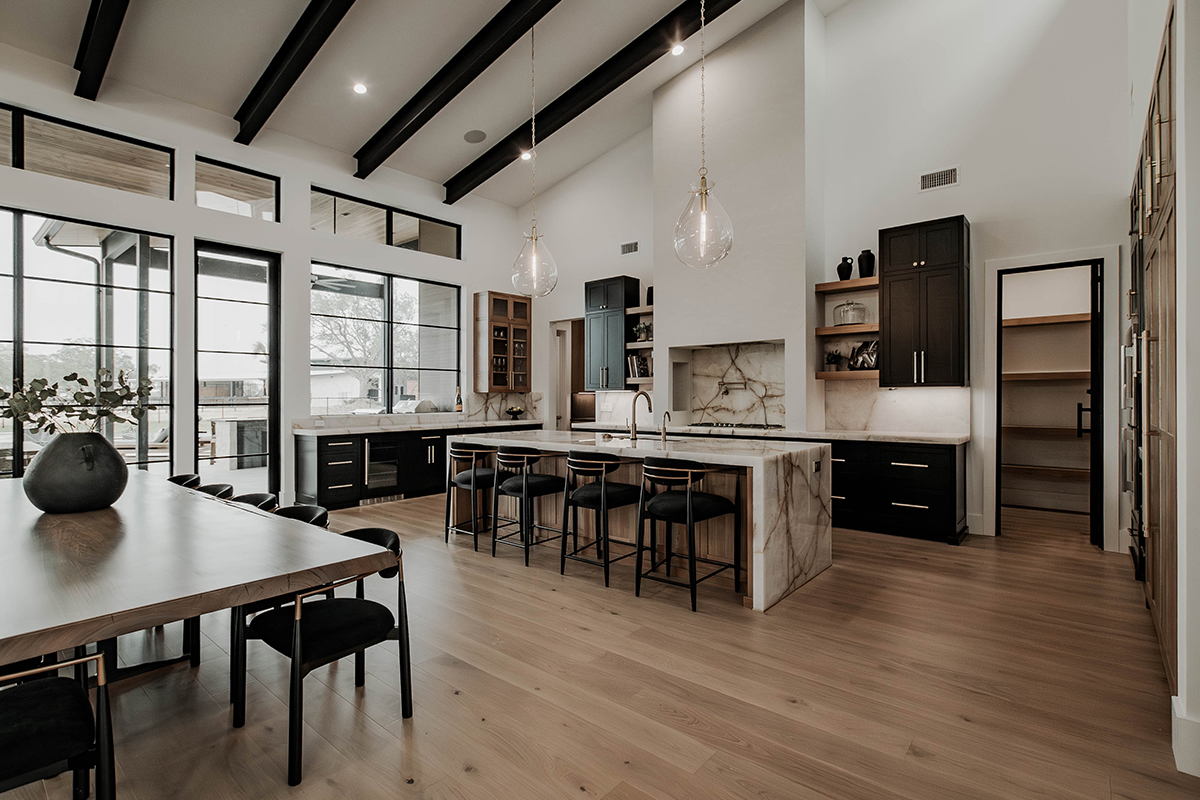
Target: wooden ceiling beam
[(311, 31), (96, 46)]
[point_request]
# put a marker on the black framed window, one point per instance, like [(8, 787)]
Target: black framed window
[(382, 344), (236, 190), (79, 297), (52, 146), (339, 214), (237, 367), (5, 138)]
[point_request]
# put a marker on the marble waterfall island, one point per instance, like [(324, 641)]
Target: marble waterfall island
[(787, 515)]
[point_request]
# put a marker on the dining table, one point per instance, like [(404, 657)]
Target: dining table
[(160, 554)]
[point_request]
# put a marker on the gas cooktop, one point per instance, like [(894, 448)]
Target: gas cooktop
[(754, 425)]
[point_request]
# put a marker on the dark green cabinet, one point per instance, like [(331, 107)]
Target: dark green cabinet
[(607, 329), (924, 304)]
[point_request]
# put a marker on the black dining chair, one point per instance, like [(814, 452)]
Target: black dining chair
[(468, 470), (313, 634), (685, 506), (47, 727), (264, 501), (187, 481), (598, 494), (222, 491), (313, 515), (526, 486)]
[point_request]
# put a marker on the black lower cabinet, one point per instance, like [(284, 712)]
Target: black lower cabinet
[(423, 464), (329, 470)]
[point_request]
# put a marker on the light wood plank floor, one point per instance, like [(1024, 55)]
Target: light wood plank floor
[(1020, 667)]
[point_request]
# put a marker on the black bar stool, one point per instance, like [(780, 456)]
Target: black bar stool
[(526, 486), (467, 470), (685, 506), (599, 494)]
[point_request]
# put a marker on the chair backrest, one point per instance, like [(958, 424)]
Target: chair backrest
[(517, 458), (466, 451), (223, 491), (672, 471), (266, 501), (592, 465), (188, 481), (382, 537), (313, 515)]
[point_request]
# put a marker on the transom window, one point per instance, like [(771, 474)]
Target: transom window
[(360, 219)]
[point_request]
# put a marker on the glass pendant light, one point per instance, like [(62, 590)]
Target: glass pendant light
[(534, 272), (704, 232)]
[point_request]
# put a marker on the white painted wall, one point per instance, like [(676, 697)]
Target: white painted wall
[(36, 83), (755, 143), (1048, 292), (815, 153), (1034, 112)]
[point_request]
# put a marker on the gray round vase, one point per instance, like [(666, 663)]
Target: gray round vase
[(75, 472)]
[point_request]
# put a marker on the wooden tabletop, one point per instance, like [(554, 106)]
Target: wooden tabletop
[(161, 553)]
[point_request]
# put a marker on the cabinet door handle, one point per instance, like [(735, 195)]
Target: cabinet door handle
[(836, 497), (922, 263), (338, 463), (914, 367), (911, 505), (339, 444), (922, 366), (838, 460), (341, 486), (367, 462), (906, 464), (429, 437), (914, 263)]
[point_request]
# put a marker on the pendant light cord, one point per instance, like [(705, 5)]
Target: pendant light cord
[(703, 168), (533, 116)]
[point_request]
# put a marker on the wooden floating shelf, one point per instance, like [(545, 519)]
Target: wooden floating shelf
[(1032, 471), (1063, 375), (640, 310), (1052, 319), (849, 330), (640, 381), (1042, 431), (639, 345), (850, 375), (852, 285)]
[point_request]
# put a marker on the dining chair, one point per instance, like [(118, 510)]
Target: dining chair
[(47, 727), (222, 491), (264, 501), (313, 515), (322, 631), (188, 480)]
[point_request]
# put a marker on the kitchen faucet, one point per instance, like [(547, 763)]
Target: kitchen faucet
[(666, 416), (633, 417)]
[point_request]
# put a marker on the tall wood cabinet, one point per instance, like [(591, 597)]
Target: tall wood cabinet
[(606, 330), (503, 356), (924, 304)]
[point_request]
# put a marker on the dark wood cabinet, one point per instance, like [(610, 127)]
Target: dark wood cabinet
[(607, 328), (503, 346), (924, 304)]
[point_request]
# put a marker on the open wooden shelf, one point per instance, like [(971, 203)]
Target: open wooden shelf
[(1052, 319), (639, 345), (852, 285), (1042, 431), (640, 310), (640, 381), (1068, 473), (850, 375), (849, 330), (1062, 375)]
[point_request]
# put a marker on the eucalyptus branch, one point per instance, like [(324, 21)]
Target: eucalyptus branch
[(55, 407)]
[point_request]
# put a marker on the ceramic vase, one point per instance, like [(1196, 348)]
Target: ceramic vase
[(845, 269), (75, 472), (866, 264)]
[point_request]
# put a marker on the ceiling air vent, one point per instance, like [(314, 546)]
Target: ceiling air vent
[(629, 248), (940, 179)]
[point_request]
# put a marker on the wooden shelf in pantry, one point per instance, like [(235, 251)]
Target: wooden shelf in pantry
[(849, 330), (640, 310), (639, 345), (1051, 319), (1033, 471), (640, 381), (852, 285), (1061, 375), (1042, 431), (850, 375)]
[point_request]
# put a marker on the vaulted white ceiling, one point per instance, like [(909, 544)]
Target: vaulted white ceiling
[(209, 53)]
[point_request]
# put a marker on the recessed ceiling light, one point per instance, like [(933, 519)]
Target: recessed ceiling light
[(474, 137), (360, 88), (526, 156), (677, 50)]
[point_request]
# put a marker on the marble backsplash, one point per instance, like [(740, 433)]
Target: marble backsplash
[(863, 406), (738, 383), (476, 408)]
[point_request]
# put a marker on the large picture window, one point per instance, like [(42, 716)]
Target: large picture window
[(79, 298), (382, 344)]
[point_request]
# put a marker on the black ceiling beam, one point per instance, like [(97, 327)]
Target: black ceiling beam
[(502, 32), (301, 45), (100, 31), (643, 51)]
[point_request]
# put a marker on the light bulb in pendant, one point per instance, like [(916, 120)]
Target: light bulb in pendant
[(534, 272), (704, 232)]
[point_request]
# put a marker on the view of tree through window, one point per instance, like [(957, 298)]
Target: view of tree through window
[(382, 344)]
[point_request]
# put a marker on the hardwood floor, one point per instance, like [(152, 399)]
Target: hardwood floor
[(1017, 667)]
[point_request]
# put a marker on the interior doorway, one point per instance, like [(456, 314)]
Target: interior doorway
[(571, 403), (1049, 381)]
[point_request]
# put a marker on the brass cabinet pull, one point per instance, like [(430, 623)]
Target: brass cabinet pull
[(430, 437), (922, 366), (338, 463), (911, 505), (906, 464), (914, 367), (922, 263), (836, 497), (339, 444), (1157, 149), (914, 263), (367, 461), (341, 486), (838, 460)]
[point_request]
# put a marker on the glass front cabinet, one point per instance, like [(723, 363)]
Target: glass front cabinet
[(502, 342)]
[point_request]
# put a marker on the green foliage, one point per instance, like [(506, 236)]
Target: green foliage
[(54, 407)]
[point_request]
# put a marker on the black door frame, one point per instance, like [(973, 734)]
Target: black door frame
[(1096, 421), (274, 409)]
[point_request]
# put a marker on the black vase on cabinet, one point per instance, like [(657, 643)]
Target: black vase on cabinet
[(866, 264), (845, 269)]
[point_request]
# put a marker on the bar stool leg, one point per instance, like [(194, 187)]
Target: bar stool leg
[(670, 544), (495, 515), (474, 515), (637, 574), (562, 561), (653, 542), (738, 583), (449, 496), (575, 528), (529, 529), (606, 553), (691, 545)]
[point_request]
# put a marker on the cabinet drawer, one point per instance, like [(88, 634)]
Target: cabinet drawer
[(930, 467), (340, 496), (340, 474), (852, 458), (928, 512)]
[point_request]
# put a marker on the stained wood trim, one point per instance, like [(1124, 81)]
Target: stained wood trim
[(849, 330), (1051, 319), (640, 310), (852, 285), (850, 375), (639, 345)]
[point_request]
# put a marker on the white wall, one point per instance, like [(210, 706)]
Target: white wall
[(815, 153), (39, 84), (1048, 292), (755, 144), (1034, 112)]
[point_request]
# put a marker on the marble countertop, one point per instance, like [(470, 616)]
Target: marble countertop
[(374, 424), (734, 452), (904, 437)]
